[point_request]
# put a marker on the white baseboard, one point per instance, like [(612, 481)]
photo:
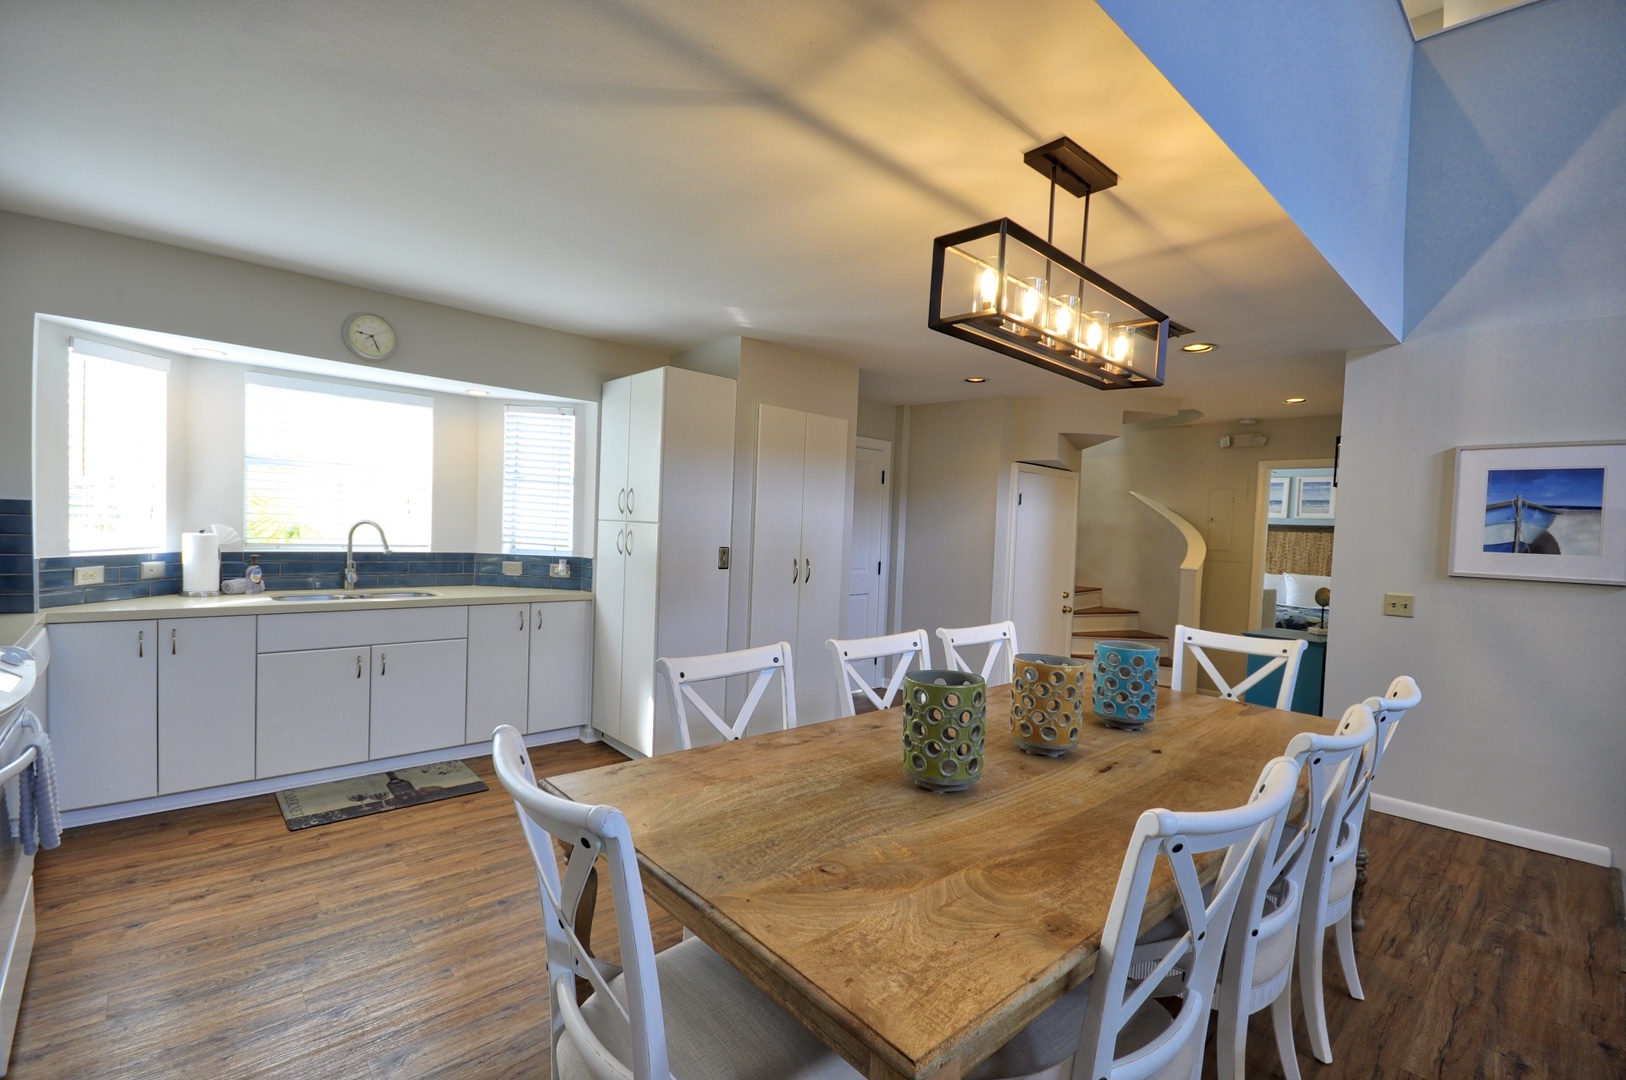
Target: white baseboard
[(92, 815), (1579, 850)]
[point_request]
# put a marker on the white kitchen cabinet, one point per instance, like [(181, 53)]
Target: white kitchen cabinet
[(417, 696), (103, 687), (206, 690), (797, 568), (499, 669), (311, 709), (665, 515), (560, 666)]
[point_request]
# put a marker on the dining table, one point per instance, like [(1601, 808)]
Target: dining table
[(916, 931)]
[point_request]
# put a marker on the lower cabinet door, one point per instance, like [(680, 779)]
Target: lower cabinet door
[(312, 709), (561, 665), (205, 703), (103, 693), (418, 696), (499, 668)]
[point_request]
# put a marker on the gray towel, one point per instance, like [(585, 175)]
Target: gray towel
[(39, 821)]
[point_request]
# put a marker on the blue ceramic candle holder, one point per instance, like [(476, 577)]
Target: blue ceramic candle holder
[(1125, 683)]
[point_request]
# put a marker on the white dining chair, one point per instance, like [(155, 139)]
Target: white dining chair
[(1281, 655), (1000, 637), (1329, 894), (913, 647), (685, 1012), (1110, 1026), (679, 674)]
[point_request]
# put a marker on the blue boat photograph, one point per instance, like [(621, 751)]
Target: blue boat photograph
[(1544, 511)]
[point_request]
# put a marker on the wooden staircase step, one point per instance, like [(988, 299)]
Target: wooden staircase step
[(1102, 609), (1123, 635)]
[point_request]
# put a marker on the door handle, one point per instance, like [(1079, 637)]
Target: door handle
[(1065, 610), (172, 632), (1065, 595), (795, 570)]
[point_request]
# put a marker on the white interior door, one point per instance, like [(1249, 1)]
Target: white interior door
[(1041, 576), (866, 570), (825, 497), (776, 525)]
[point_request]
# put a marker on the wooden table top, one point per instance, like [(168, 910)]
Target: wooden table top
[(916, 932)]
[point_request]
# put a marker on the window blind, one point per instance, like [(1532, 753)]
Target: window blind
[(538, 479), (318, 457), (117, 453)]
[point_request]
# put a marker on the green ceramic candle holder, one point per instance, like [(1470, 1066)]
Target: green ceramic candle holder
[(1049, 695), (943, 721)]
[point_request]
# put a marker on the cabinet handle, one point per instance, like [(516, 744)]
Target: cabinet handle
[(795, 570), (358, 665), (141, 643), (618, 533), (383, 663), (621, 500), (807, 571), (629, 541), (172, 632), (522, 618), (629, 500)]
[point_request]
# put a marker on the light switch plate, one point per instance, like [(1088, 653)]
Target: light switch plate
[(1400, 604), (88, 575), (152, 570), (559, 569), (513, 569)]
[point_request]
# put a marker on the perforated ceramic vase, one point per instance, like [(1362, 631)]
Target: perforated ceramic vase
[(1048, 697), (943, 714), (1125, 689)]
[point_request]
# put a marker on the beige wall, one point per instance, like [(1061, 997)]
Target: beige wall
[(1133, 554), (47, 267)]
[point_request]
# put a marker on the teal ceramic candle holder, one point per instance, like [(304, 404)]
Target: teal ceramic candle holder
[(1125, 685), (1048, 696), (943, 714)]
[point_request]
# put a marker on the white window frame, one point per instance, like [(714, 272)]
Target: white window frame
[(505, 544), (158, 541)]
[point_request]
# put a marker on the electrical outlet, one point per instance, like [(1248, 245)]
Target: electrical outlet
[(559, 569), (1396, 603), (151, 571), (513, 569), (88, 575)]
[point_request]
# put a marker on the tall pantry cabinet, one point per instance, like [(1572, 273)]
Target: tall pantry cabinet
[(798, 570), (665, 507)]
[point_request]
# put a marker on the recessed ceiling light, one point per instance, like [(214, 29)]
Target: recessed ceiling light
[(478, 393), (208, 352), (1294, 400), (975, 379), (1198, 346)]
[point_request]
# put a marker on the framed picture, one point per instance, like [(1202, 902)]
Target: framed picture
[(1540, 513), (1313, 498), (1276, 504)]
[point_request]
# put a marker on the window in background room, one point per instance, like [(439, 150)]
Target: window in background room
[(318, 457), (538, 479), (117, 458)]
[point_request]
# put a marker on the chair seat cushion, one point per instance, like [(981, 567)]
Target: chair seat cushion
[(1053, 1038), (718, 1026)]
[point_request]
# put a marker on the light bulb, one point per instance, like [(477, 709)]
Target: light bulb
[(987, 289), (1120, 345), (1095, 330), (1063, 321), (1029, 302)]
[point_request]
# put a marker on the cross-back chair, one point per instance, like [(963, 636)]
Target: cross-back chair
[(1111, 1026), (1283, 656), (684, 1013), (912, 647), (681, 673), (1000, 637), (1330, 888)]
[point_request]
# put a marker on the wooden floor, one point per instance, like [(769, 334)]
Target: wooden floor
[(214, 943)]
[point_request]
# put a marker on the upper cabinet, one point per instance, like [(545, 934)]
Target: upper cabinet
[(632, 426)]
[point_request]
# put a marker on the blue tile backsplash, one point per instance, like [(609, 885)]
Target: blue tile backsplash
[(286, 570), (16, 556)]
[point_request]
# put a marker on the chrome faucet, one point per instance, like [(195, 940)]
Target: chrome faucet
[(350, 551)]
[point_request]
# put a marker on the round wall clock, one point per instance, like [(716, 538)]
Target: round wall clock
[(369, 337)]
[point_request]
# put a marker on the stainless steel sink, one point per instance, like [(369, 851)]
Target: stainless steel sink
[(324, 598)]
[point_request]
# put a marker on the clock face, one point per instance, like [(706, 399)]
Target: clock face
[(369, 336)]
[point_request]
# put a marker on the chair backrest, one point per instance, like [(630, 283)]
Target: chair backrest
[(1284, 656), (588, 831), (911, 647), (1000, 637), (680, 673), (1243, 832), (1402, 696)]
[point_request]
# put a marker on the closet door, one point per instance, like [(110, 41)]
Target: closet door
[(609, 623), (823, 585), (615, 423), (776, 531)]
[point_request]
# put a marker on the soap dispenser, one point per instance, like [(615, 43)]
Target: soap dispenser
[(255, 574)]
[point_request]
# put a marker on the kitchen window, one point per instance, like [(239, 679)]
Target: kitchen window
[(117, 449), (538, 479), (318, 456)]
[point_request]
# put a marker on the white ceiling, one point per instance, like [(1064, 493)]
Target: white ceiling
[(668, 174)]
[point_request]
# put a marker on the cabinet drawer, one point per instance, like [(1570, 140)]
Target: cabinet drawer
[(342, 629)]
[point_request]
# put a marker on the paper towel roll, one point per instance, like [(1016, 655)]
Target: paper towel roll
[(200, 563)]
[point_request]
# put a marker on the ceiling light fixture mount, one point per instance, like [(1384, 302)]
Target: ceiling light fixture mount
[(1000, 286)]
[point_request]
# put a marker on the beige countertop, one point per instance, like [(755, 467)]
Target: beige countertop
[(13, 627)]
